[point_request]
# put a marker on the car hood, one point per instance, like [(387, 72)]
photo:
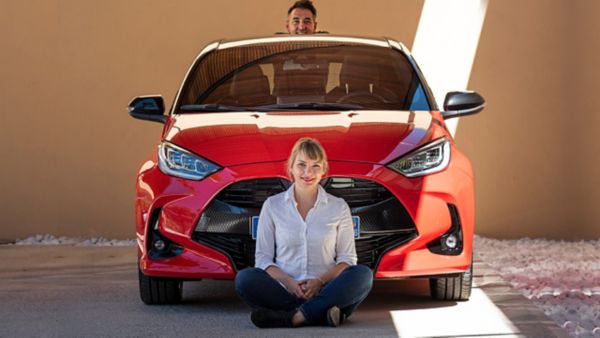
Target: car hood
[(250, 137)]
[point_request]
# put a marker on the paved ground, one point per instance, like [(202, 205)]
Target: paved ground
[(69, 291)]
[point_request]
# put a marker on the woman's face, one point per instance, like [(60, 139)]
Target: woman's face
[(307, 173)]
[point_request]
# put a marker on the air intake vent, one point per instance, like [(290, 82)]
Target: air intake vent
[(240, 248), (356, 192), (252, 193)]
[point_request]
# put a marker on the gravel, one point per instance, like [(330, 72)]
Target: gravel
[(561, 277), (52, 240)]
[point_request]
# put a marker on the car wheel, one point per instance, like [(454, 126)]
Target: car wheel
[(155, 290), (452, 288)]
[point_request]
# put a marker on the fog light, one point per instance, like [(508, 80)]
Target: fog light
[(451, 241), (159, 245)]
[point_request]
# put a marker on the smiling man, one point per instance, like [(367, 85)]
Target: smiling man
[(302, 18)]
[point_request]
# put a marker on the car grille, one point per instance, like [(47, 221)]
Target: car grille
[(225, 222), (356, 192), (253, 193), (240, 248)]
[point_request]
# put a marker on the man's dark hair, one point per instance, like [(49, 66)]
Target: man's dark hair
[(304, 4)]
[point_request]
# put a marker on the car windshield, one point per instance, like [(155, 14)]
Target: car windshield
[(303, 76)]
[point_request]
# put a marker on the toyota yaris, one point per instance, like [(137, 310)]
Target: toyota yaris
[(226, 138)]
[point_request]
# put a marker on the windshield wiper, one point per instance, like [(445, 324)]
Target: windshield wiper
[(211, 107), (310, 106), (214, 107)]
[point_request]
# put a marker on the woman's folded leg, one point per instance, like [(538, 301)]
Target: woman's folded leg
[(346, 291), (259, 290)]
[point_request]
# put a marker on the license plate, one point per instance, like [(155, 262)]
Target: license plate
[(254, 226)]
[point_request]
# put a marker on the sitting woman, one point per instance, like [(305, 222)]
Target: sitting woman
[(306, 272)]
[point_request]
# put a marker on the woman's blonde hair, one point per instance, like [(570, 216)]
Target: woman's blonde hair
[(312, 149)]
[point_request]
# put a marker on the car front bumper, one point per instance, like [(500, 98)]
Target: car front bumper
[(178, 205)]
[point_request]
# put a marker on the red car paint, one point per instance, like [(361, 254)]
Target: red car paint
[(255, 144)]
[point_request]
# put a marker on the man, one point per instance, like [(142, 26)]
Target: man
[(302, 18)]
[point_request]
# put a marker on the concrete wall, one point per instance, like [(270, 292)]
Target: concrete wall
[(534, 148), (68, 69)]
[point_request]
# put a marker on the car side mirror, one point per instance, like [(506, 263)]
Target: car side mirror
[(462, 103), (150, 108)]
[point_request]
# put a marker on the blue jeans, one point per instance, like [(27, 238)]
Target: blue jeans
[(258, 289)]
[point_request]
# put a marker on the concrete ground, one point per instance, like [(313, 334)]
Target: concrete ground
[(73, 291)]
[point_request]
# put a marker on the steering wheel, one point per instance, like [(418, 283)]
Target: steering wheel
[(362, 93)]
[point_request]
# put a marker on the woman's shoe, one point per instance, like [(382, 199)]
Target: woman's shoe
[(335, 317), (266, 318)]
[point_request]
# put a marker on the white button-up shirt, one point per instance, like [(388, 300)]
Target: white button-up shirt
[(304, 248)]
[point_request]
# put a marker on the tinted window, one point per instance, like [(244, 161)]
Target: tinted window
[(368, 77)]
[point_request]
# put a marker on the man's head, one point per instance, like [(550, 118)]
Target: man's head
[(302, 18)]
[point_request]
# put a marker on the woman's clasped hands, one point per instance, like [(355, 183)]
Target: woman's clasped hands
[(306, 288)]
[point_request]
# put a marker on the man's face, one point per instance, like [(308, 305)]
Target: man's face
[(301, 21)]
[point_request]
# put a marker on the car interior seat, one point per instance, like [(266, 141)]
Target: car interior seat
[(250, 87)]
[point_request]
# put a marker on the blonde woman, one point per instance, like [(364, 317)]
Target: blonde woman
[(305, 272)]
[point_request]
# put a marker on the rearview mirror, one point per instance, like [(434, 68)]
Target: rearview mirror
[(150, 108), (462, 103)]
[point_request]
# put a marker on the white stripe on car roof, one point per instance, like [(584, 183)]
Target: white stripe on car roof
[(289, 38)]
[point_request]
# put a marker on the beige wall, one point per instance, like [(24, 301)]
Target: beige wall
[(586, 103), (68, 69), (535, 148)]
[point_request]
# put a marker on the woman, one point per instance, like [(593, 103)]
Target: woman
[(305, 272)]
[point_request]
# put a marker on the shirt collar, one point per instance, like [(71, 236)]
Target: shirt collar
[(321, 195)]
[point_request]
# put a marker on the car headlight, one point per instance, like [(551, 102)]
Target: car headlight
[(176, 161), (429, 159)]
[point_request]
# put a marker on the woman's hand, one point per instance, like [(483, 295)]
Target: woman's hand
[(310, 287), (294, 287)]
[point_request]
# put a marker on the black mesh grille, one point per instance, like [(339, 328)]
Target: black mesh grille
[(240, 248), (252, 193), (370, 249), (225, 223), (356, 192)]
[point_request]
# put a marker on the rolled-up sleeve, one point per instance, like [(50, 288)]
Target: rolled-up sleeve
[(344, 247), (265, 239)]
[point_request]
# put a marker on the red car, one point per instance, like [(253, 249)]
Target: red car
[(229, 132)]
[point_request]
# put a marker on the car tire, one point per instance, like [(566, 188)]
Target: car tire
[(155, 291), (452, 288)]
